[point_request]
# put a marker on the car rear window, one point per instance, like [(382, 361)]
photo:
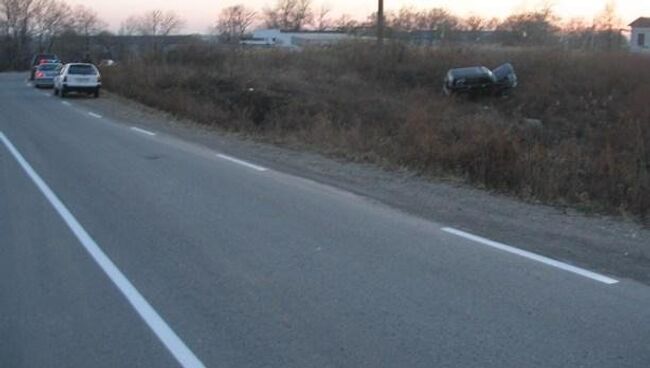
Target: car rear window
[(48, 67), (82, 70)]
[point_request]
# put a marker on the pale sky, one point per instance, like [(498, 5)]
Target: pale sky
[(201, 14)]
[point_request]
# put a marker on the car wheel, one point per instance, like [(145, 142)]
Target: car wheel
[(96, 93), (63, 93)]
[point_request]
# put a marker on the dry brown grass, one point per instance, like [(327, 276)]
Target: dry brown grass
[(592, 151)]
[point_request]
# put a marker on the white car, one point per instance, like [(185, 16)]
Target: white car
[(78, 77)]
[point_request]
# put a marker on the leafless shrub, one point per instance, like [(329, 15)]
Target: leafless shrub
[(289, 14), (153, 23), (591, 147), (234, 22)]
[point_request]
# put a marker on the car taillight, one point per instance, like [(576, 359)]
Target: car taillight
[(40, 74)]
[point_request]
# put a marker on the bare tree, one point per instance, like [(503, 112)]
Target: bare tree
[(345, 23), (36, 24), (578, 34), (17, 19), (153, 23), (234, 22), (608, 25), (608, 19), (86, 24), (130, 26), (475, 23), (15, 16), (537, 27), (405, 20), (86, 21), (159, 23), (280, 15), (289, 14), (322, 21), (52, 18), (440, 21), (303, 14), (492, 24)]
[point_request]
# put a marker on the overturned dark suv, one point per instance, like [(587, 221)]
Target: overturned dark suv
[(479, 80)]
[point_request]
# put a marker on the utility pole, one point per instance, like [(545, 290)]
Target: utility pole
[(380, 23)]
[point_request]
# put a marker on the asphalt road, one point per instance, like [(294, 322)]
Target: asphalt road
[(122, 247)]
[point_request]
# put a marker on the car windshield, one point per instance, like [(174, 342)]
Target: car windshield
[(82, 70)]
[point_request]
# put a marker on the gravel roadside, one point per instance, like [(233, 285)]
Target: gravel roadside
[(606, 244)]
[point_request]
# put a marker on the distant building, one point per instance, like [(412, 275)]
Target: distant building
[(640, 39), (294, 39)]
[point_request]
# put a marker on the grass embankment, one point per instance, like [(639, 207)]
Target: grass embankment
[(592, 149)]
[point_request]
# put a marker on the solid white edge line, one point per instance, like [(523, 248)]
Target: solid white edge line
[(143, 131), (532, 256), (95, 115), (241, 162), (167, 336)]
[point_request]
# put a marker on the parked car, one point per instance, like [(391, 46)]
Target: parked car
[(45, 74), (39, 59), (78, 77), (480, 80)]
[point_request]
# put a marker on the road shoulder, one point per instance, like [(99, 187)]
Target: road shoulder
[(610, 245)]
